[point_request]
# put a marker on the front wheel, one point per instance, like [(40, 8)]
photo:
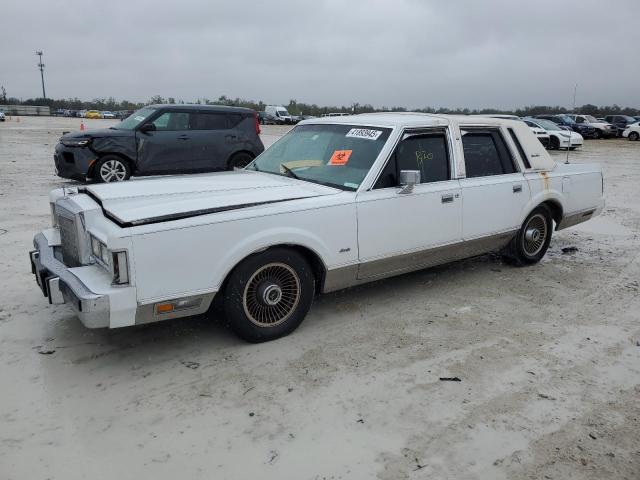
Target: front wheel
[(634, 136), (532, 241), (554, 143), (597, 135), (268, 295), (111, 169)]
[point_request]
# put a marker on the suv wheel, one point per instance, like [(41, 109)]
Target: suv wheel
[(533, 238), (597, 134), (240, 160), (111, 169), (634, 136), (268, 295)]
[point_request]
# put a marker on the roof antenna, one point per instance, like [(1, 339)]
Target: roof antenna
[(573, 110)]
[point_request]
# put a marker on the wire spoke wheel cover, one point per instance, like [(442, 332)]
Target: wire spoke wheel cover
[(271, 295), (535, 234), (113, 171)]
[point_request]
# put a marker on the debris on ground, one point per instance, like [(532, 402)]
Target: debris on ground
[(450, 379), (46, 352), (569, 249), (191, 365)]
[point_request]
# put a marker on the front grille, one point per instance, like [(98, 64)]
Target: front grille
[(69, 240)]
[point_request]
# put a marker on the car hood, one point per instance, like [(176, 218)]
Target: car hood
[(155, 200), (100, 133)]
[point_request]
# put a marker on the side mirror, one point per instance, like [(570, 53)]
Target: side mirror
[(147, 127), (408, 179)]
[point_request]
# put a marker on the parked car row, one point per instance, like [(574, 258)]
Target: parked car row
[(92, 113)]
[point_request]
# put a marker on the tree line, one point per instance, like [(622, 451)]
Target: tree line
[(301, 108)]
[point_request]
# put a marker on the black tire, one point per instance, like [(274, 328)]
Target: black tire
[(554, 143), (111, 169), (528, 247), (239, 160), (634, 136), (268, 295), (597, 135)]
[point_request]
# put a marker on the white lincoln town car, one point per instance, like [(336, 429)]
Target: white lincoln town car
[(334, 203)]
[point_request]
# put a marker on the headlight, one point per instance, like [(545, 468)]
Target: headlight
[(54, 219), (99, 250), (74, 142)]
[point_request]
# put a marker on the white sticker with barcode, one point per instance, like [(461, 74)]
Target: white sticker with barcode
[(364, 133)]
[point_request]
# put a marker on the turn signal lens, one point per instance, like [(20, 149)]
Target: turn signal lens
[(164, 308)]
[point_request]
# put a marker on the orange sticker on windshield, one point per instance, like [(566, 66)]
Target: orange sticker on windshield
[(340, 157)]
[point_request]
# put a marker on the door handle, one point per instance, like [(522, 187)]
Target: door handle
[(448, 198), (182, 137), (517, 188)]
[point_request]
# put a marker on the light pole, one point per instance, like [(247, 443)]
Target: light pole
[(41, 65)]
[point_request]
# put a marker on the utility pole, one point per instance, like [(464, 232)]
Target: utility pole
[(41, 65)]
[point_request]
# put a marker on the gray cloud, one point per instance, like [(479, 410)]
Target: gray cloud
[(404, 52)]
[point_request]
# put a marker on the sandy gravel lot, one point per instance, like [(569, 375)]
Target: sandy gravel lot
[(549, 358)]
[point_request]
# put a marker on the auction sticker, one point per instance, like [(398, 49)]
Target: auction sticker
[(364, 133), (340, 157)]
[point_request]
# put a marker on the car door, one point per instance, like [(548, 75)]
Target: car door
[(211, 140), (168, 147), (404, 231), (494, 191)]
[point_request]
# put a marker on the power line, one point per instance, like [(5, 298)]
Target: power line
[(41, 65)]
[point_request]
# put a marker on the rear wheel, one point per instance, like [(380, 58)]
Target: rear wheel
[(268, 295), (240, 160), (111, 169), (532, 241), (634, 136)]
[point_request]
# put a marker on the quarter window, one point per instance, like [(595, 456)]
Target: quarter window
[(426, 152), (485, 153)]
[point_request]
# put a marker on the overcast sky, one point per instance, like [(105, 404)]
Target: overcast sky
[(412, 53)]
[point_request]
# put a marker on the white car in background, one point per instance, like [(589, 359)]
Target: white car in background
[(632, 132), (558, 137), (540, 133), (2, 117), (107, 114), (603, 129)]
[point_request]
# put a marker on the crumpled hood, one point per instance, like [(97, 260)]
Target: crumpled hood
[(155, 200), (99, 133)]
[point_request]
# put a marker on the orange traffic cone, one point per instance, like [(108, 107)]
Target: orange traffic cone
[(81, 125)]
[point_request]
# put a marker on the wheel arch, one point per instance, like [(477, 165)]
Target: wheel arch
[(101, 155), (309, 254), (238, 152)]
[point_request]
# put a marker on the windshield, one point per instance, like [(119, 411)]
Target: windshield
[(135, 119), (591, 119), (547, 124), (282, 113), (567, 119), (339, 156)]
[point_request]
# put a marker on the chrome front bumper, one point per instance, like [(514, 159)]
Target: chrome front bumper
[(59, 285)]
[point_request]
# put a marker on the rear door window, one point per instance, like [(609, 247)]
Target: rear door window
[(208, 121), (485, 153), (425, 152)]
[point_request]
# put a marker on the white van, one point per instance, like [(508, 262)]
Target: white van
[(279, 113)]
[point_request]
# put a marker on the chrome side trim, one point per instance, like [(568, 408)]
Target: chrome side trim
[(351, 275), (575, 218)]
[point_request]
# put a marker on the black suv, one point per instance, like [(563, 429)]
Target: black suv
[(587, 131), (162, 139), (621, 122)]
